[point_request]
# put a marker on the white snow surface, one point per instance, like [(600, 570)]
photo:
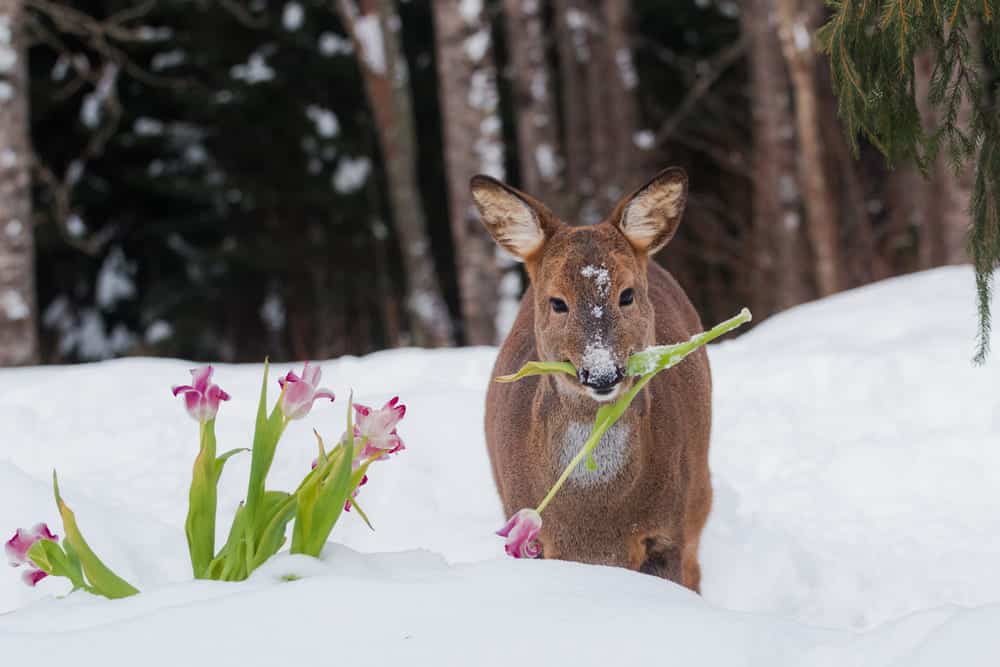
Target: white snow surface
[(855, 460)]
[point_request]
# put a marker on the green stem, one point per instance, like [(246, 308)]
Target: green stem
[(659, 359)]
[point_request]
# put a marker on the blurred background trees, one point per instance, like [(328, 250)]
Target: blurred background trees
[(221, 179)]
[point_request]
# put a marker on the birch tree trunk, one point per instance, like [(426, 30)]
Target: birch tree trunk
[(18, 311), (374, 29), (797, 24), (776, 229)]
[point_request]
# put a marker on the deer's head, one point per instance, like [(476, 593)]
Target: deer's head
[(591, 295)]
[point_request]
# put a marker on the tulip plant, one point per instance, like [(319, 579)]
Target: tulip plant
[(260, 525), (521, 530)]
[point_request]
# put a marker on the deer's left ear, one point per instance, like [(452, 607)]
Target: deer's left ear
[(649, 217)]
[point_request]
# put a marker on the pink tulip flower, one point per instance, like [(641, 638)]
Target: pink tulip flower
[(378, 428), (521, 531), (300, 392), (202, 398), (17, 548)]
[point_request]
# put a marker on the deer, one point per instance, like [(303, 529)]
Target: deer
[(595, 297)]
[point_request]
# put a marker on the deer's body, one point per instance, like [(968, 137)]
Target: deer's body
[(645, 505)]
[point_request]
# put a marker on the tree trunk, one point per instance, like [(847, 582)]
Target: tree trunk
[(472, 144), (540, 153), (945, 227), (619, 88), (797, 25), (775, 232), (598, 81), (370, 24), (18, 310), (574, 27)]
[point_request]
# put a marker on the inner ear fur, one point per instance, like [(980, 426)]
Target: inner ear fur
[(518, 222), (649, 217)]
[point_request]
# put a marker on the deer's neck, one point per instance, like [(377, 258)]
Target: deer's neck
[(569, 423)]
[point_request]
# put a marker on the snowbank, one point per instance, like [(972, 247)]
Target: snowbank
[(856, 460)]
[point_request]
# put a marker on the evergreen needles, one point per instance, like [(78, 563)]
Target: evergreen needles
[(871, 46)]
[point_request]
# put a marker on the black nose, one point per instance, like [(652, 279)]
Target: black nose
[(602, 379)]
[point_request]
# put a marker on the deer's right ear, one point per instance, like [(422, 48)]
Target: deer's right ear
[(518, 223)]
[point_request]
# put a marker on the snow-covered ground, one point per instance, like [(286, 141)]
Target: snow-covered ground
[(856, 462)]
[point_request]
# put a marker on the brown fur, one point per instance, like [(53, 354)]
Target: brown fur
[(650, 516)]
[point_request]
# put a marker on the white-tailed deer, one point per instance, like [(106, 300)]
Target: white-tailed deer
[(595, 298)]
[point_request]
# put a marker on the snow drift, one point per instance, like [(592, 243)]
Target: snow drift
[(855, 457)]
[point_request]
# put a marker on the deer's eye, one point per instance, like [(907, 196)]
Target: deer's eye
[(627, 297), (558, 305)]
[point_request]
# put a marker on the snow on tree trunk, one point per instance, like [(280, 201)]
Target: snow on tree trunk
[(796, 27), (776, 237), (472, 144), (573, 35), (599, 83), (374, 29), (540, 153), (18, 332)]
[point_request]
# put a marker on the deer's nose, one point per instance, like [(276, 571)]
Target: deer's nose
[(601, 378)]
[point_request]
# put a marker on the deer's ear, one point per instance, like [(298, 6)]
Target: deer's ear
[(518, 223), (649, 217)]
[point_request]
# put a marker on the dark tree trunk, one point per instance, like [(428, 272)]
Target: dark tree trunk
[(797, 23), (384, 71), (775, 238)]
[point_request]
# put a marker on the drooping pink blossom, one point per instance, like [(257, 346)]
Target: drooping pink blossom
[(17, 549), (377, 428), (301, 392), (201, 398), (521, 532)]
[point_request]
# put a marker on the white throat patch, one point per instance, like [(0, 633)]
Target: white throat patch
[(611, 453)]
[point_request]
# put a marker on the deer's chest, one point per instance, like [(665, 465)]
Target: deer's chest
[(611, 454)]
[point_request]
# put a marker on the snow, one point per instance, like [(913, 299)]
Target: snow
[(254, 70), (476, 45), (800, 35), (548, 163), (167, 59), (471, 10), (598, 361), (368, 32), (114, 280), (325, 120), (600, 276), (351, 174), (14, 306), (855, 522), (93, 102), (158, 331), (332, 44), (626, 69), (644, 139), (292, 16), (8, 56)]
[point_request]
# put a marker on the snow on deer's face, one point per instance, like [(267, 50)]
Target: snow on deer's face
[(591, 299), (592, 308)]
